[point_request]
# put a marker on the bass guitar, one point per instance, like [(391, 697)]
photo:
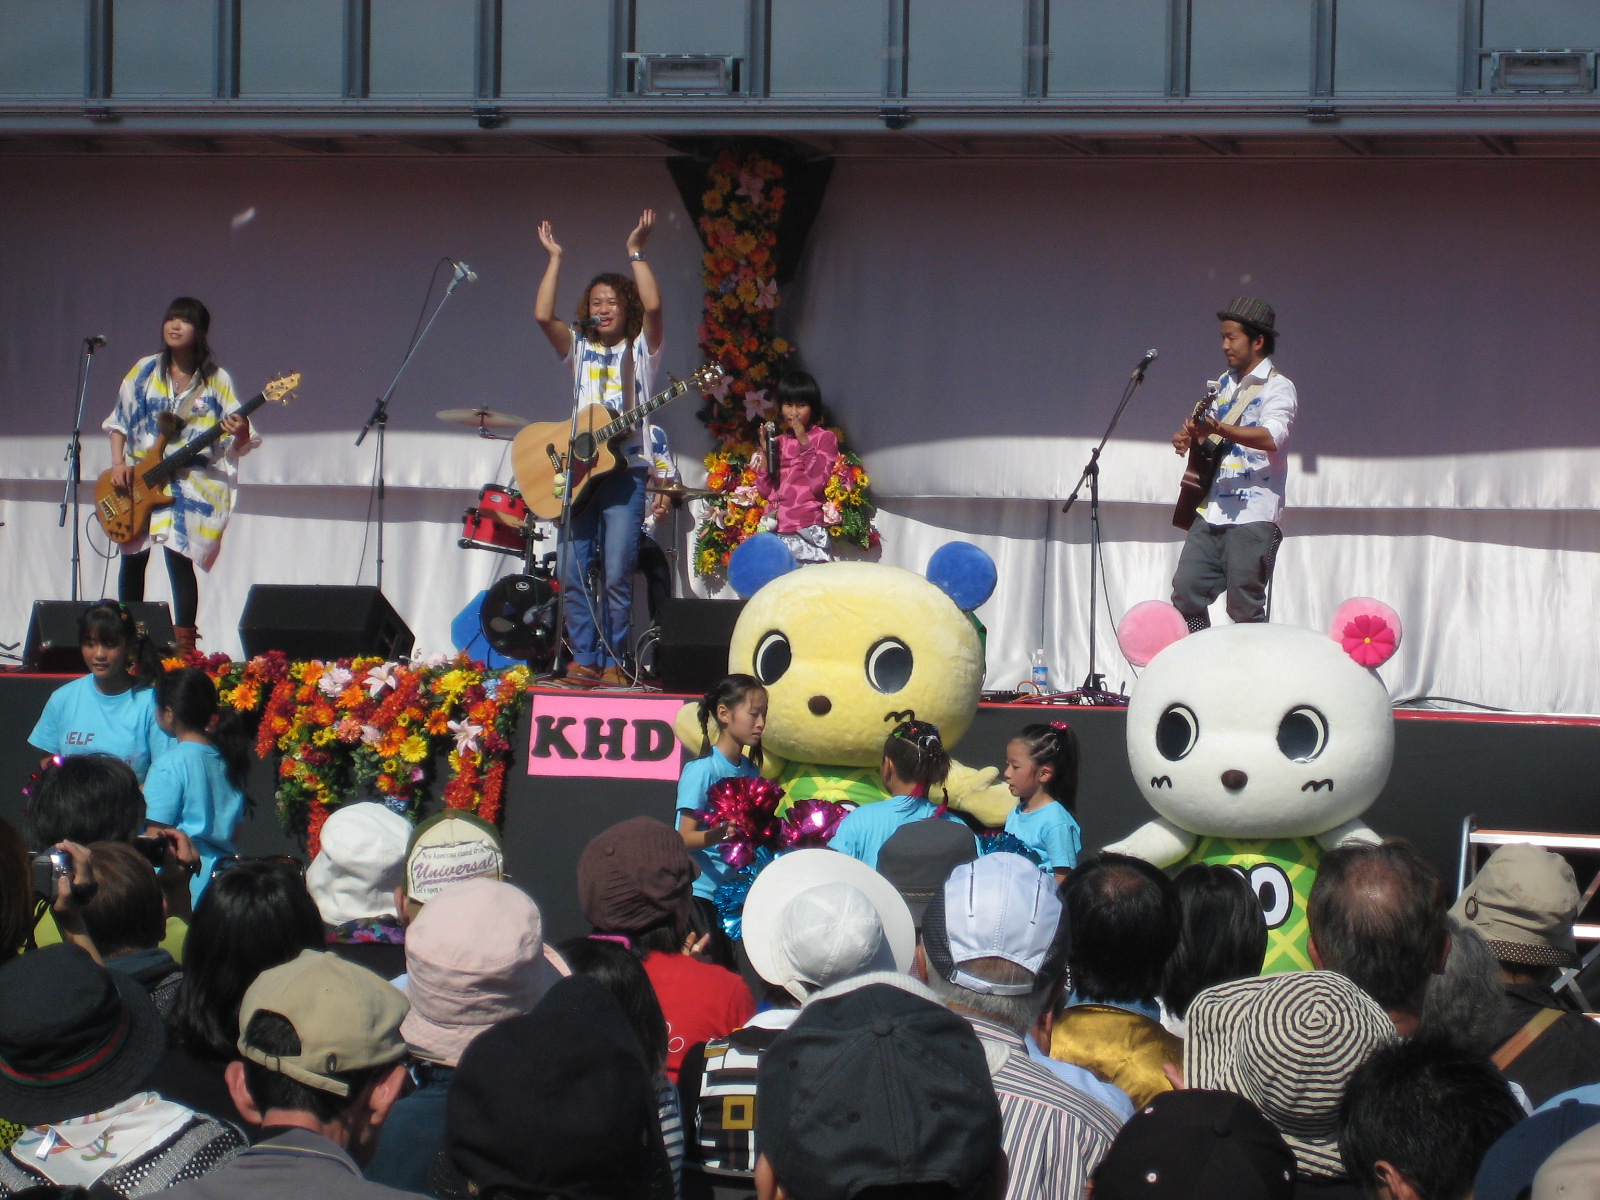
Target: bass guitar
[(125, 514), (541, 452), (1205, 455)]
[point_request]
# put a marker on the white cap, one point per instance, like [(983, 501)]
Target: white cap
[(362, 861), (815, 917)]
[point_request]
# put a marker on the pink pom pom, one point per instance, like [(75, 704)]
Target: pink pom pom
[(1368, 630), (812, 823), (1147, 629)]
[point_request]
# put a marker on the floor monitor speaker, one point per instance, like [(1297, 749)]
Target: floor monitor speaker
[(325, 621)]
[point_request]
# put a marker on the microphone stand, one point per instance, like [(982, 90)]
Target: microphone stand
[(74, 460), (379, 417), (1092, 690), (580, 329)]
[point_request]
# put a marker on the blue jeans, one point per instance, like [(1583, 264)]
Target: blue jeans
[(607, 531)]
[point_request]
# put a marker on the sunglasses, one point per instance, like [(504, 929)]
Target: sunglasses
[(282, 862)]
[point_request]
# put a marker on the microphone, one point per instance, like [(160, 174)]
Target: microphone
[(772, 450), (1144, 364), (586, 324), (94, 343), (463, 272)]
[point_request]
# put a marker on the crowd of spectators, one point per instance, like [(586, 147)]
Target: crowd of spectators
[(391, 1020)]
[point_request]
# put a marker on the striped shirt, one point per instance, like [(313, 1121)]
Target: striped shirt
[(671, 1118), (1053, 1135)]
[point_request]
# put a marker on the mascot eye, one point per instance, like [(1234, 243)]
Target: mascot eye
[(1302, 734), (772, 658), (889, 665), (1271, 887), (1176, 732)]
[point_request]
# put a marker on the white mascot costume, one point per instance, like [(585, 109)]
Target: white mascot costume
[(1259, 746)]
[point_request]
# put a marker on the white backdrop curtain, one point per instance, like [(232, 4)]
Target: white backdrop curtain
[(970, 321)]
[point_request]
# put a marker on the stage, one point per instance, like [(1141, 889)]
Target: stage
[(1513, 771)]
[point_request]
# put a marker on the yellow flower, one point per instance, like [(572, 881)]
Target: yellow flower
[(712, 200), (743, 244), (747, 291), (414, 749), (453, 683), (779, 346)]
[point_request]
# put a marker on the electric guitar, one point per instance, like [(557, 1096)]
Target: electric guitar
[(1205, 455), (125, 515), (540, 452)]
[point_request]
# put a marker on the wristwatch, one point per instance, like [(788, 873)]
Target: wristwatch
[(636, 256)]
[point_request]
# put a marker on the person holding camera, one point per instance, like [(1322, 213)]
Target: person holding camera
[(92, 798)]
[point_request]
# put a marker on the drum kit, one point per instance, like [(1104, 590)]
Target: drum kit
[(518, 612)]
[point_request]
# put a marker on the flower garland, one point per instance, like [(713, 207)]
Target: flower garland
[(364, 723), (743, 201)]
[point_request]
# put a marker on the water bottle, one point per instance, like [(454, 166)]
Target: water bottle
[(1041, 672)]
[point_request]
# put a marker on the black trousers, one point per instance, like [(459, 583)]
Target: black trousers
[(1237, 559), (185, 588)]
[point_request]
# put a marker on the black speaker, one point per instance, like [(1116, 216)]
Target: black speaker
[(52, 645), (323, 621), (693, 650)]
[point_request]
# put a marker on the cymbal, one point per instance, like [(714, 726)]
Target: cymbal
[(480, 418), (676, 491)]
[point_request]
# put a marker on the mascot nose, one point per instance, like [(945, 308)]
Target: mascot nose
[(820, 706), (1234, 780)]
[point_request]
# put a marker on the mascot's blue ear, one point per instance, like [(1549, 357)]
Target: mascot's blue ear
[(757, 562), (964, 573)]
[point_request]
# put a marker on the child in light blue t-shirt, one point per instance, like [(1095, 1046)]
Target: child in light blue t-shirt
[(914, 763), (198, 786), (111, 710), (738, 707), (1042, 772)]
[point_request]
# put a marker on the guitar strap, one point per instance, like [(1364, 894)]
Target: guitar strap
[(1242, 398)]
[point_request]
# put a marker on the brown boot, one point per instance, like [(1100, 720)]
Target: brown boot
[(186, 636)]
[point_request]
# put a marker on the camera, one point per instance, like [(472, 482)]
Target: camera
[(154, 849), (48, 866)]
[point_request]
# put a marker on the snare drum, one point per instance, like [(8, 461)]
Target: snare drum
[(503, 504), (481, 530)]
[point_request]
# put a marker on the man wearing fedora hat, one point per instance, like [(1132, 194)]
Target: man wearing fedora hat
[(1234, 539)]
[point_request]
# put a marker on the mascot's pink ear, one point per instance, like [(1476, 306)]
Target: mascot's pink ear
[(1369, 630), (1147, 629)]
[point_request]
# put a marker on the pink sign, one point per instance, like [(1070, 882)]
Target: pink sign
[(603, 736)]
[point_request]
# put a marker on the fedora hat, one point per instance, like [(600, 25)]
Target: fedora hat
[(1256, 315)]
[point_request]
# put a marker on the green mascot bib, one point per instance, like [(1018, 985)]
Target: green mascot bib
[(808, 781), (1280, 872)]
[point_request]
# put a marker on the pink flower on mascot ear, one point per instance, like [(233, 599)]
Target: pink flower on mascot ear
[(1367, 629)]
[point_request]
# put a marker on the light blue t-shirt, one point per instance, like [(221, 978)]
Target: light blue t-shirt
[(1087, 1082), (81, 719), (694, 785), (188, 788), (1050, 832), (862, 834)]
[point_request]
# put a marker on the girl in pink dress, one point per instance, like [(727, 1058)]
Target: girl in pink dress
[(792, 475)]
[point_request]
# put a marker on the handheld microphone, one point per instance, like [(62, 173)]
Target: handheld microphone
[(464, 272), (94, 343), (1144, 364), (586, 324), (772, 450)]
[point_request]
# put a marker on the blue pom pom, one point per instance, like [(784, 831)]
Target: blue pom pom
[(998, 841), (730, 894), (964, 573), (757, 562)]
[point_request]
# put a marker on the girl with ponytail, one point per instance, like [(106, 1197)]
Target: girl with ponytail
[(914, 763), (733, 715), (199, 786), (1042, 771)]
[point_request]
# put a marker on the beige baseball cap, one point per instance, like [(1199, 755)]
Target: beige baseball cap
[(450, 847), (1523, 902), (1573, 1171), (346, 1018)]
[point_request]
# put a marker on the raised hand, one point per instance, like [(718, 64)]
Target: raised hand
[(641, 231), (547, 239)]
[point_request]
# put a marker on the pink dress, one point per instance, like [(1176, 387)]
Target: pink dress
[(803, 471)]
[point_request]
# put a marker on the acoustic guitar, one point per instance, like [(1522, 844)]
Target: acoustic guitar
[(1205, 455), (125, 515), (540, 452)]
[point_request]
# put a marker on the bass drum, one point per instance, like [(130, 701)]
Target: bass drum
[(518, 618)]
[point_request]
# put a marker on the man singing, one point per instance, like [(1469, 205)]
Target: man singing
[(1234, 540)]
